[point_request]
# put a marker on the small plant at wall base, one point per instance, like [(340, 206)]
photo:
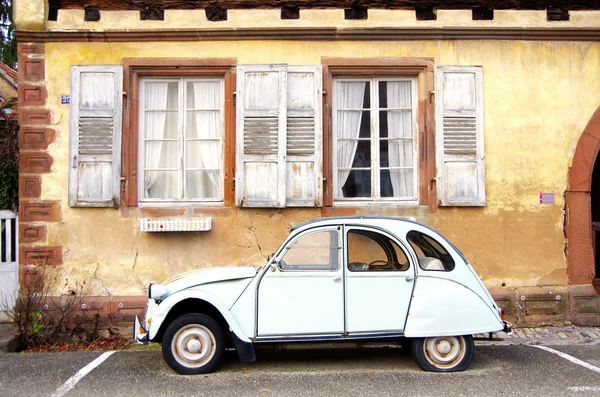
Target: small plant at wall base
[(57, 323), (9, 160)]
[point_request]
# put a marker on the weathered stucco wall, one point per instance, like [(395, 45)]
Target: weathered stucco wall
[(538, 97)]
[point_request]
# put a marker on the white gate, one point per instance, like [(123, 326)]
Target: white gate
[(8, 262)]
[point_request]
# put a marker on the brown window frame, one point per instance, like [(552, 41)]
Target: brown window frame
[(136, 68), (423, 69)]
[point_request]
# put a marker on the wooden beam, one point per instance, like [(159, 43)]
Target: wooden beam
[(337, 4)]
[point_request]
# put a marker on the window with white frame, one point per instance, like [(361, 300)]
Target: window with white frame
[(181, 139), (375, 139)]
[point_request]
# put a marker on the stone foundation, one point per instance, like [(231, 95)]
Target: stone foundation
[(551, 305)]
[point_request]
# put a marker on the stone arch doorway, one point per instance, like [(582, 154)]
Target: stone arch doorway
[(581, 267)]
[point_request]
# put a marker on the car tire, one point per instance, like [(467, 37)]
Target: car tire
[(193, 344), (444, 353)]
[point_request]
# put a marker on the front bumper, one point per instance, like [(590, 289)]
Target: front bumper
[(140, 335)]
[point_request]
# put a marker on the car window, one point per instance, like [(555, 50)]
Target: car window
[(372, 251), (431, 254), (312, 251)]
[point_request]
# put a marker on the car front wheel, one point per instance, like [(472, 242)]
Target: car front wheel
[(444, 353), (193, 344)]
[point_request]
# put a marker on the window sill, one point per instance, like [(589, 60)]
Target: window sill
[(179, 204), (175, 225), (378, 204)]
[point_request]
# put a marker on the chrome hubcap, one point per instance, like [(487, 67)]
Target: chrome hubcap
[(445, 351), (193, 345)]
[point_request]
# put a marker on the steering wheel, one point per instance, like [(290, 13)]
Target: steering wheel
[(378, 261)]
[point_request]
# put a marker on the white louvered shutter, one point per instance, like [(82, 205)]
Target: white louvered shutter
[(459, 136), (304, 137), (95, 136), (261, 140)]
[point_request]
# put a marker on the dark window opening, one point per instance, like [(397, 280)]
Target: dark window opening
[(371, 251), (431, 254), (290, 12), (356, 12), (91, 14), (425, 14), (53, 6), (556, 14), (215, 14), (483, 14), (152, 14)]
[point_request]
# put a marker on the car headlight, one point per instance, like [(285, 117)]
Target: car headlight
[(157, 291)]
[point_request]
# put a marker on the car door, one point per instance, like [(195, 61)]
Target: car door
[(379, 282), (304, 293)]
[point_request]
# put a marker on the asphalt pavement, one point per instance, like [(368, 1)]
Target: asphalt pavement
[(497, 370)]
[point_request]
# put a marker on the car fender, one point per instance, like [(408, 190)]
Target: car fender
[(162, 311), (443, 307)]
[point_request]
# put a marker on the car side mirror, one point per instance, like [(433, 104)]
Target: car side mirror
[(274, 266)]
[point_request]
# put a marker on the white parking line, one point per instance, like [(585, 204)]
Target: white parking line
[(68, 385), (584, 388), (570, 358)]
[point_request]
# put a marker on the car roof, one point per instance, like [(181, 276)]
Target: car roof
[(364, 220), (353, 220)]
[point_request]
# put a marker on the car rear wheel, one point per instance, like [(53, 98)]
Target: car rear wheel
[(444, 353), (193, 344)]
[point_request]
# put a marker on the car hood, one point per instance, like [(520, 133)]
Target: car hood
[(208, 275)]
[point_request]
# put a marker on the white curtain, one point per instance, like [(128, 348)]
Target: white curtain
[(207, 128), (349, 95), (154, 128), (400, 151)]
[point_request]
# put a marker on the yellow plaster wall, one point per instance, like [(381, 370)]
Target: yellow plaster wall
[(538, 98)]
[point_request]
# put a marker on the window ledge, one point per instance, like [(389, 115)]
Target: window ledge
[(175, 225), (179, 204), (351, 203)]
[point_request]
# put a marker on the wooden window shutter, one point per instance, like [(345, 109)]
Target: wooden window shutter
[(95, 136), (304, 149), (261, 140), (459, 136)]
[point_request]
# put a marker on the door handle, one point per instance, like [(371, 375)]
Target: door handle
[(409, 278), (337, 279)]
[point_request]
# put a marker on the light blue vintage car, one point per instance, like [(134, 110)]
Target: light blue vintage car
[(351, 279)]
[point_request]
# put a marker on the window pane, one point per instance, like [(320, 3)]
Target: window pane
[(203, 124), (431, 254), (352, 95), (202, 184), (370, 251), (397, 183), (396, 153), (395, 124), (353, 124), (357, 183), (160, 184), (354, 154), (394, 94), (203, 95), (161, 95), (161, 125), (314, 251), (202, 154), (161, 155)]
